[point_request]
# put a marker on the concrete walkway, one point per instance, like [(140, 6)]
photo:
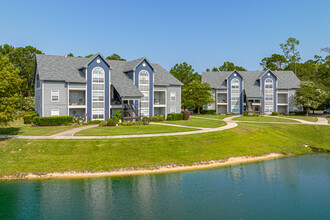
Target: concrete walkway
[(67, 135), (230, 124)]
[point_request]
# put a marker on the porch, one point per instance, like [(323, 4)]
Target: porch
[(159, 98), (77, 98), (253, 106)]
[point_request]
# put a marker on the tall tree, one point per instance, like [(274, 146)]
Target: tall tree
[(290, 51), (70, 55), (115, 57), (274, 62), (228, 66), (90, 55), (310, 95), (23, 59), (196, 94), (185, 73), (10, 84)]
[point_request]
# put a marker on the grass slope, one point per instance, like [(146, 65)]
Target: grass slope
[(19, 128), (127, 130), (265, 119), (198, 122), (96, 155)]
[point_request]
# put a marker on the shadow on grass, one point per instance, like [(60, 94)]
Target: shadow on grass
[(10, 130)]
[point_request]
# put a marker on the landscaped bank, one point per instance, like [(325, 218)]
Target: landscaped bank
[(20, 157)]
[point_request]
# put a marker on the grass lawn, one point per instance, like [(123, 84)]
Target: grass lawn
[(212, 116), (198, 122), (306, 118), (126, 130), (19, 128), (265, 119), (39, 156)]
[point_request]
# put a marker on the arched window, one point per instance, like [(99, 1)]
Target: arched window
[(98, 93), (235, 96), (269, 95), (144, 88)]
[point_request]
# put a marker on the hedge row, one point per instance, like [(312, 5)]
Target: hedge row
[(298, 112), (208, 111), (52, 121), (174, 116), (158, 118)]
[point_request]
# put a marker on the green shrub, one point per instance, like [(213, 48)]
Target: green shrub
[(275, 113), (219, 113), (186, 115), (287, 114), (245, 113), (118, 115), (52, 121), (292, 114), (255, 115), (298, 112), (111, 122), (145, 120), (174, 116), (208, 111), (157, 118), (27, 119)]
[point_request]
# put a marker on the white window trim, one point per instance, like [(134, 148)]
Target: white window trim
[(238, 102), (58, 95), (269, 92), (171, 95), (51, 112), (145, 109), (172, 110), (100, 83)]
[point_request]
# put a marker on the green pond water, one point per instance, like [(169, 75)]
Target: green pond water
[(286, 188)]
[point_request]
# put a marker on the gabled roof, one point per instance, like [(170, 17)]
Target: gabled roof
[(69, 69), (285, 79), (90, 59), (132, 65)]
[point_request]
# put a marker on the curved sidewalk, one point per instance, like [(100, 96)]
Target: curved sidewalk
[(69, 135)]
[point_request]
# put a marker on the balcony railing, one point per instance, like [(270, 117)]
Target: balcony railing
[(159, 101), (115, 102), (222, 101), (75, 102)]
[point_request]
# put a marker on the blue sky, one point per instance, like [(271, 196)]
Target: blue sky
[(202, 33)]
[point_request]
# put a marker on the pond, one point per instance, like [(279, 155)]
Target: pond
[(285, 188)]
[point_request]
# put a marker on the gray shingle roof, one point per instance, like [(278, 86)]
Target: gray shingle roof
[(217, 80), (61, 68)]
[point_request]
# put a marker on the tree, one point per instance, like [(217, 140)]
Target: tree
[(115, 57), (10, 84), (90, 55), (309, 95), (196, 94), (274, 62), (70, 55), (228, 66), (23, 59), (185, 73), (290, 51)]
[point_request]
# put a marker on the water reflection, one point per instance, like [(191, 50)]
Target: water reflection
[(296, 187)]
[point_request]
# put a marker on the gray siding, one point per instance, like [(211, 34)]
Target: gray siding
[(292, 95), (77, 85), (38, 100), (174, 104), (62, 103)]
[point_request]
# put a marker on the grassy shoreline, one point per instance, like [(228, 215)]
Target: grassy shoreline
[(22, 156)]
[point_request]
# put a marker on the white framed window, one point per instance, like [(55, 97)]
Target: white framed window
[(55, 95), (98, 87), (55, 112), (172, 110), (269, 95), (235, 96), (144, 88), (173, 96)]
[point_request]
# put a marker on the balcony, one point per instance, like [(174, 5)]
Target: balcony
[(159, 98), (282, 99), (222, 99), (77, 99)]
